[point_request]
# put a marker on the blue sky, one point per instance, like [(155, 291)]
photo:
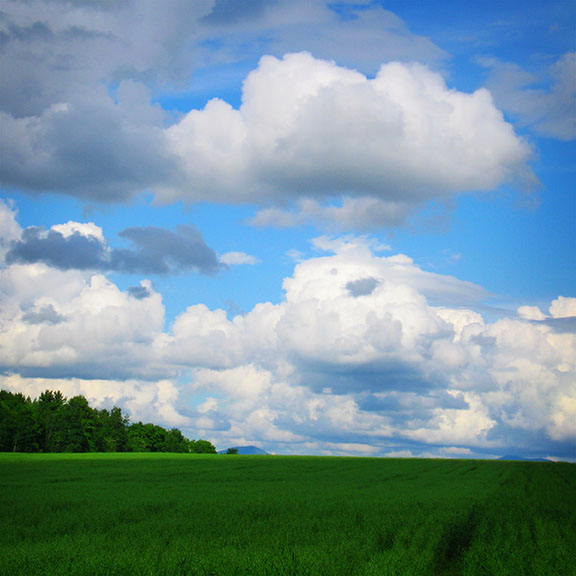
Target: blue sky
[(320, 228)]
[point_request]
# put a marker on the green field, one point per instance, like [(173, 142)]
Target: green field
[(163, 514)]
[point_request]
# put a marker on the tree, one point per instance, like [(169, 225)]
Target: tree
[(19, 431), (79, 425), (7, 422), (54, 424), (175, 441), (201, 447), (232, 451), (137, 438), (27, 429), (111, 433), (147, 438), (50, 411), (118, 430)]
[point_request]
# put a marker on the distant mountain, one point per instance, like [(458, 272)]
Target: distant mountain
[(513, 457), (247, 451)]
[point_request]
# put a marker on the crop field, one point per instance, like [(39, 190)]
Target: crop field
[(161, 514)]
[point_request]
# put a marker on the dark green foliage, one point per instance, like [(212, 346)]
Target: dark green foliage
[(50, 414), (112, 431), (54, 424), (201, 447), (171, 515), (19, 429), (232, 451), (79, 425), (147, 437)]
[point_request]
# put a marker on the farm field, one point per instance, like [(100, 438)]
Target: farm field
[(167, 514)]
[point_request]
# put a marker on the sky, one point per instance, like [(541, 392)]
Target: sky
[(342, 228)]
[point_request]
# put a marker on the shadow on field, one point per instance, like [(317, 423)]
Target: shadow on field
[(456, 539)]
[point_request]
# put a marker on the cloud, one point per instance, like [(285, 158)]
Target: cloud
[(366, 353), (384, 365), (43, 315), (309, 129), (69, 324), (142, 401), (86, 229), (77, 112), (83, 247), (362, 287), (434, 375), (357, 251), (118, 151), (562, 316), (142, 291), (55, 249), (547, 110), (360, 34), (458, 426), (228, 12), (238, 259), (10, 230), (364, 350), (55, 50), (363, 214), (563, 307), (160, 251), (9, 227)]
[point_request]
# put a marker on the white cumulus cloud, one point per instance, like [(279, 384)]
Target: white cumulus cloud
[(308, 128), (364, 350)]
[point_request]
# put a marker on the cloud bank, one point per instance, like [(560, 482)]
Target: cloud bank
[(81, 113), (365, 354), (77, 102)]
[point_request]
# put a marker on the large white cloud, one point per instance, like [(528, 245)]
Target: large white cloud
[(357, 353), (87, 327), (310, 128), (78, 113), (364, 350)]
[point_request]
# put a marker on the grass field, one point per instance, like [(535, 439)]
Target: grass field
[(137, 514)]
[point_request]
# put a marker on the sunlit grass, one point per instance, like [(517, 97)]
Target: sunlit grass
[(224, 515)]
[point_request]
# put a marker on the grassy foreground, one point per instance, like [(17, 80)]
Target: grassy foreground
[(140, 514)]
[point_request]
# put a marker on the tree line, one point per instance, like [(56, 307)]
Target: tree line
[(53, 423)]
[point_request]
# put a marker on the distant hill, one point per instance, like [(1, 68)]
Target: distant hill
[(513, 457), (247, 451)]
